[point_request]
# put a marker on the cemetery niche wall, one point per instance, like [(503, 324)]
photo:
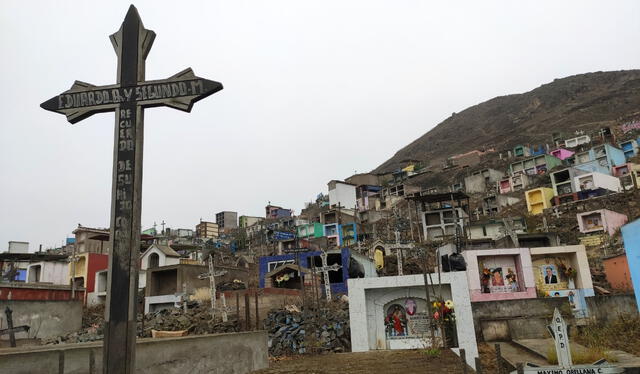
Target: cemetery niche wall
[(392, 313), (500, 274), (563, 272)]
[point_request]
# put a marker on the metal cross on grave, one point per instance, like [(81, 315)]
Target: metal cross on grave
[(212, 274), (325, 269), (128, 98)]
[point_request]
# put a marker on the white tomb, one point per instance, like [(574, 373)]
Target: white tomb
[(373, 301)]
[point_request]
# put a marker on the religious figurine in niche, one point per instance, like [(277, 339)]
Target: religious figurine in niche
[(549, 275), (512, 280), (484, 280), (496, 277), (396, 322), (410, 306), (572, 301)]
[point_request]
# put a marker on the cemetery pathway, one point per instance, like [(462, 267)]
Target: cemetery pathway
[(382, 362)]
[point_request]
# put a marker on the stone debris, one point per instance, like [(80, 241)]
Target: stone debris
[(323, 330), (196, 321)]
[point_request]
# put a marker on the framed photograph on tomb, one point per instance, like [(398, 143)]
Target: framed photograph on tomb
[(549, 274), (410, 306)]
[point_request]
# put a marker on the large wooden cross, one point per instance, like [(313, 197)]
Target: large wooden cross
[(128, 98)]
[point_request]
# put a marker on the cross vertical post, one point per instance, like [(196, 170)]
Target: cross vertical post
[(325, 269), (131, 43), (12, 334), (212, 286)]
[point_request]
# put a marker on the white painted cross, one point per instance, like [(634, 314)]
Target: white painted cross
[(556, 212), (325, 269), (558, 329), (212, 274)]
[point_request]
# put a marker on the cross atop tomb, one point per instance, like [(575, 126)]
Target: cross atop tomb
[(128, 98)]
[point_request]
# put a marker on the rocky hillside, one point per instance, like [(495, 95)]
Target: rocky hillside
[(580, 102)]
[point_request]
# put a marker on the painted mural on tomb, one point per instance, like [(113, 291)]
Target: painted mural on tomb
[(405, 318)]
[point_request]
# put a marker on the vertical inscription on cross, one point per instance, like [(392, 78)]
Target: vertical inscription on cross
[(558, 329), (128, 98)]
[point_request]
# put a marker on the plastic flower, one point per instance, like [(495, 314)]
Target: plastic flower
[(436, 315), (448, 304)]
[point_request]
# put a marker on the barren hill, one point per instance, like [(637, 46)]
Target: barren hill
[(580, 102)]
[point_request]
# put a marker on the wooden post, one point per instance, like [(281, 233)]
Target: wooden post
[(60, 362), (247, 312), (257, 311), (463, 360), (520, 368), (478, 366), (184, 298), (92, 361), (238, 310), (498, 358)]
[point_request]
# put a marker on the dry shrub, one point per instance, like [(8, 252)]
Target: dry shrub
[(622, 333), (580, 356), (201, 295)]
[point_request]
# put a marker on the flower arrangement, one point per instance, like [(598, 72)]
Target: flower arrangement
[(567, 272), (443, 311)]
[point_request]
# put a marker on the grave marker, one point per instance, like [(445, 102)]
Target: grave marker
[(10, 330), (325, 269), (212, 274), (558, 330), (127, 98)]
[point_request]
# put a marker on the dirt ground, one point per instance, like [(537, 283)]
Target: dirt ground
[(383, 362)]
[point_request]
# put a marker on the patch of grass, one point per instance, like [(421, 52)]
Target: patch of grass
[(622, 333), (432, 352), (580, 356)]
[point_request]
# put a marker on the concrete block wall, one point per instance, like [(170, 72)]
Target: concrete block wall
[(46, 318), (516, 319), (237, 353), (607, 308)]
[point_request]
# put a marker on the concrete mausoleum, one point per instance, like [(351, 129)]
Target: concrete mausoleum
[(372, 301)]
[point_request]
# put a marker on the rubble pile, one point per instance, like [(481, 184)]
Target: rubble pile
[(411, 265), (196, 321), (322, 330)]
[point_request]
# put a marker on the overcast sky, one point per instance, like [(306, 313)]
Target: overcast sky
[(314, 90)]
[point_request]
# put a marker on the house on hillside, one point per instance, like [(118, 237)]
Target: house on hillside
[(482, 180), (534, 165), (601, 220)]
